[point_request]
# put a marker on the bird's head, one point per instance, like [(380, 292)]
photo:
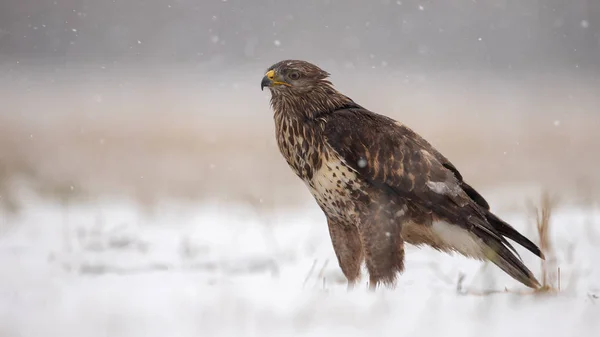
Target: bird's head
[(294, 76), (302, 89)]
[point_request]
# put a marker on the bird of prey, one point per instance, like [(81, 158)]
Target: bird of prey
[(379, 183)]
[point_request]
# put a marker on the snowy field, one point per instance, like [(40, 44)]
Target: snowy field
[(107, 269), (260, 262), (142, 192)]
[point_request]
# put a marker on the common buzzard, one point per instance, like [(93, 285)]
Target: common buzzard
[(379, 183)]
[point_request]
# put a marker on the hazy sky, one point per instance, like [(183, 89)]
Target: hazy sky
[(498, 34)]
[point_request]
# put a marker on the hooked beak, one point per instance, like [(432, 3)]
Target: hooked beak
[(267, 81), (270, 80)]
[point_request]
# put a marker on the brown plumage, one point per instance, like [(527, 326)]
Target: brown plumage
[(379, 183)]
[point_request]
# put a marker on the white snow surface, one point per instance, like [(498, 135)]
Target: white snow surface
[(223, 270)]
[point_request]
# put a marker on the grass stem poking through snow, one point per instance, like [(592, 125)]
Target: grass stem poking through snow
[(310, 272), (550, 272)]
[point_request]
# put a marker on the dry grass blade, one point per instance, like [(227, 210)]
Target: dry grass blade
[(550, 271), (310, 272)]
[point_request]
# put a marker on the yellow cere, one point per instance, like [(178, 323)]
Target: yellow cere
[(271, 75)]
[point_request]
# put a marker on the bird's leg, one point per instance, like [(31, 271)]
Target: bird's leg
[(384, 248), (351, 285), (348, 249)]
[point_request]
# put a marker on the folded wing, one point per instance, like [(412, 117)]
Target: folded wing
[(397, 161)]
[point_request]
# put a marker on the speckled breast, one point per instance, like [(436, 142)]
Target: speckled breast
[(334, 185), (337, 189)]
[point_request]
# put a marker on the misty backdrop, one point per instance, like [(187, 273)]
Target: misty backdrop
[(158, 99), (499, 34)]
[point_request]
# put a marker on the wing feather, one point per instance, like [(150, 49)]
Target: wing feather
[(395, 159), (399, 161)]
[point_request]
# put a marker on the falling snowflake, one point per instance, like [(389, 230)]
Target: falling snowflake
[(277, 43)]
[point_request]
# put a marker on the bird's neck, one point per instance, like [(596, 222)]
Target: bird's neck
[(311, 104)]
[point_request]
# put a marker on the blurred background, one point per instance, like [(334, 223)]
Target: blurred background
[(160, 100), (142, 192)]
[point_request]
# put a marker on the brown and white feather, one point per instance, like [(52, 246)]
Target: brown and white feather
[(380, 184)]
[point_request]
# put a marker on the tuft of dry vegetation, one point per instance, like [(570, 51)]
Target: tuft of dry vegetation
[(550, 272)]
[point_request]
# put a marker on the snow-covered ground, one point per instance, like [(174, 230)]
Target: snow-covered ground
[(108, 269)]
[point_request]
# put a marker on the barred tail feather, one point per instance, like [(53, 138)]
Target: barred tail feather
[(480, 244), (508, 231), (501, 256)]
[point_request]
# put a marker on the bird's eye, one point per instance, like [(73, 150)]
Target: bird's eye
[(294, 75)]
